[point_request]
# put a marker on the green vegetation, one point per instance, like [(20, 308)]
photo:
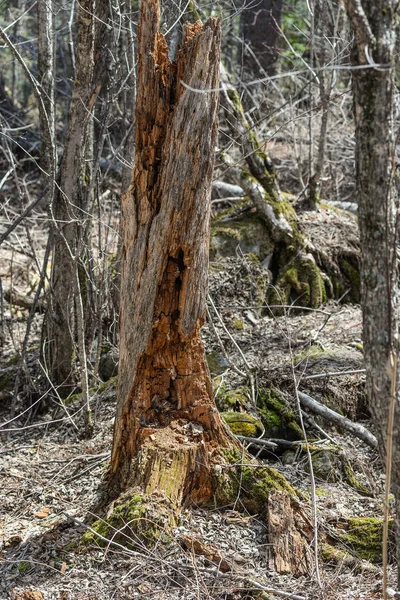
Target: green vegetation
[(130, 521), (278, 418), (244, 478), (299, 275), (242, 424), (364, 537)]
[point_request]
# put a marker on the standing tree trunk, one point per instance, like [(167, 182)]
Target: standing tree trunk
[(166, 413), (46, 76), (260, 22), (374, 27), (169, 440), (71, 215)]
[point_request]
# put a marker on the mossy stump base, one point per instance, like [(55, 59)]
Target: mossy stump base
[(148, 511)]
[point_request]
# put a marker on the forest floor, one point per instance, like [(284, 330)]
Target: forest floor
[(51, 478)]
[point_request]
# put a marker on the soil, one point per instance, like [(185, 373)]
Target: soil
[(51, 478)]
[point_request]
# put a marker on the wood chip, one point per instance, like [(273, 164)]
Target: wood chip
[(42, 514)]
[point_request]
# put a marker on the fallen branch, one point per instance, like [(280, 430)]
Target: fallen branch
[(257, 442), (333, 374), (330, 415)]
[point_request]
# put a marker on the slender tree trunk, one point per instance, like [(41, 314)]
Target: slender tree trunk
[(70, 211), (46, 77), (374, 27), (167, 429)]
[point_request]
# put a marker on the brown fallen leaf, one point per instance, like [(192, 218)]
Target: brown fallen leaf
[(63, 568), (42, 514)]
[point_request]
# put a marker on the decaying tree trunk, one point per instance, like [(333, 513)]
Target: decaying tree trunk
[(169, 440), (166, 420)]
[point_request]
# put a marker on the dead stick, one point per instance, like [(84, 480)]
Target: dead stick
[(330, 415)]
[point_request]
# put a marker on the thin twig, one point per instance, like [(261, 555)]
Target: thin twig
[(333, 374)]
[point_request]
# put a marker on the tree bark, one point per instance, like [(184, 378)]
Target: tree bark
[(70, 211), (374, 25), (167, 424), (46, 76)]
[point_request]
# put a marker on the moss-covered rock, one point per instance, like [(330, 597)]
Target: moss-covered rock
[(242, 424), (243, 477), (363, 536), (238, 400), (329, 464), (326, 465), (228, 231), (278, 418)]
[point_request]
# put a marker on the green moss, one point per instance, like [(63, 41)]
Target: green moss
[(242, 424), (352, 276), (73, 398), (106, 385), (364, 537), (229, 213), (127, 522), (329, 464), (249, 482), (326, 465), (278, 418), (238, 324), (237, 399), (252, 258), (247, 231), (331, 554), (351, 478), (299, 275), (313, 352)]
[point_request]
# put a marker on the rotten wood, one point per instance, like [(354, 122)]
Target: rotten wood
[(167, 423), (287, 545)]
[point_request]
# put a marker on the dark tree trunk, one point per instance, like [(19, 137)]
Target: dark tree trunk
[(167, 424), (374, 27), (260, 23)]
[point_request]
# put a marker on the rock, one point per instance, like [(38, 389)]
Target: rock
[(245, 231), (217, 363), (108, 366), (242, 424)]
